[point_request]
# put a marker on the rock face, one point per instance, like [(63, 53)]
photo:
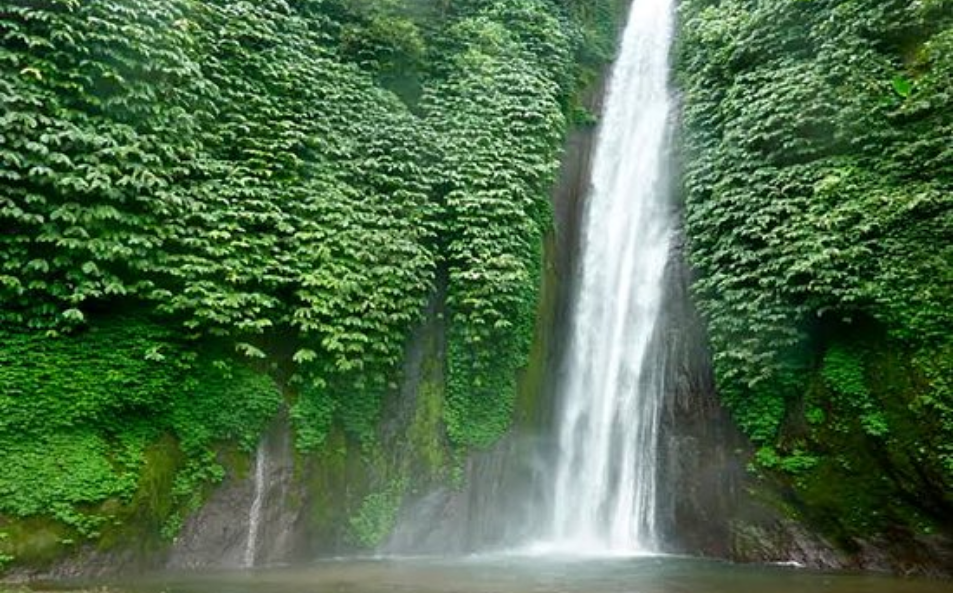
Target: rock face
[(718, 506), (86, 563), (216, 534), (699, 462), (220, 533)]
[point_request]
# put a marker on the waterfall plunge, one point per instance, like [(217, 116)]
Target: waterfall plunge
[(605, 490)]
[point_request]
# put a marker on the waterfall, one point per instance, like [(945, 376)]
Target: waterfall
[(605, 489), (254, 511)]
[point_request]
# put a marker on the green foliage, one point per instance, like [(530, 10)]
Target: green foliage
[(933, 405), (499, 99), (246, 170), (5, 558), (843, 371), (312, 416), (218, 162), (80, 411), (818, 185), (54, 475), (70, 434), (378, 514), (798, 462), (276, 181), (386, 38), (228, 402), (65, 383), (875, 438)]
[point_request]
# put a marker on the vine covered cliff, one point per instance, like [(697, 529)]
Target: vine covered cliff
[(819, 215), (216, 210)]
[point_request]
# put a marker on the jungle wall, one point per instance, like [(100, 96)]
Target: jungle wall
[(311, 231), (818, 222), (325, 233)]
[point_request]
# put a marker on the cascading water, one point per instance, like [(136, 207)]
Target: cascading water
[(255, 510), (606, 485)]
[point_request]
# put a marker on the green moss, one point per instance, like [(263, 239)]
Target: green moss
[(138, 524), (352, 487), (853, 478), (377, 515), (236, 460), (36, 541), (532, 377), (112, 432), (133, 524), (327, 485), (932, 404), (846, 494), (425, 433)]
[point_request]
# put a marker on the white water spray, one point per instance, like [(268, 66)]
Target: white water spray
[(605, 491), (254, 511)]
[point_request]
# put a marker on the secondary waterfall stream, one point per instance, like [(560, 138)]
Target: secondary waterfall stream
[(255, 510), (606, 474)]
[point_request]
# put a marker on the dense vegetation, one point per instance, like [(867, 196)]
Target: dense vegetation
[(79, 418), (819, 200), (210, 206), (211, 209)]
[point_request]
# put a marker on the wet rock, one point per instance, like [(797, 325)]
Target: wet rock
[(87, 563), (217, 535)]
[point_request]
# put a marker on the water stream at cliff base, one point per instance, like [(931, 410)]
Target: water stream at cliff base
[(254, 511)]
